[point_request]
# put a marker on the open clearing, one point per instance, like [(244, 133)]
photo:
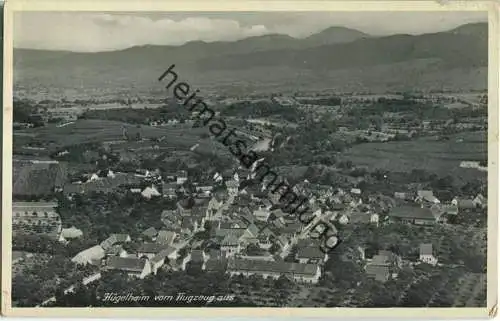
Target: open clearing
[(440, 157), (94, 130)]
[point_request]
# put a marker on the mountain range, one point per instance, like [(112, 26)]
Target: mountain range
[(274, 61)]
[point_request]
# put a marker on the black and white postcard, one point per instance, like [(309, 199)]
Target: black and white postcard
[(274, 158)]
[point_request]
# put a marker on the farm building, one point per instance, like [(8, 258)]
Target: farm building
[(92, 255), (413, 215), (132, 266), (103, 184), (306, 273), (427, 254)]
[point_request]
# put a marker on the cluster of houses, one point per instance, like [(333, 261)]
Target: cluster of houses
[(242, 234), (424, 208), (237, 228), (147, 183), (110, 255), (386, 265)]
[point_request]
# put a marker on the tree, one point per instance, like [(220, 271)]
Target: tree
[(444, 183)]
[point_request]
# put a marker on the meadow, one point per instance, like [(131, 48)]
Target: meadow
[(428, 153), (155, 140), (94, 130)]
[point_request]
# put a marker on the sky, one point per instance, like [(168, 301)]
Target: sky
[(95, 31)]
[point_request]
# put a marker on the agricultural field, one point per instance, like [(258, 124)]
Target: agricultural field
[(427, 153), (92, 130)]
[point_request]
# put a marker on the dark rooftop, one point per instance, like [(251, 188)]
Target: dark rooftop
[(409, 212), (126, 264), (272, 266)]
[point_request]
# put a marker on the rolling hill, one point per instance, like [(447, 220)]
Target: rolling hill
[(337, 57), (462, 47), (190, 51)]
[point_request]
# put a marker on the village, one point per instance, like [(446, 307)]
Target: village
[(224, 225), (282, 160)]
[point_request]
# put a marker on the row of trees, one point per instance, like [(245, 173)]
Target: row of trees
[(260, 109)]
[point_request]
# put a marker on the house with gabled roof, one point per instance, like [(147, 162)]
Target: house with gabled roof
[(261, 214), (167, 254), (426, 196), (278, 224), (169, 190), (310, 254), (267, 204), (378, 272), (401, 195), (150, 250), (267, 233), (466, 204), (89, 256), (383, 266), (213, 208), (343, 218), (414, 215), (204, 188), (70, 233), (426, 254), (116, 250), (356, 191), (150, 233), (247, 217), (358, 217), (451, 210), (221, 232), (252, 231), (444, 196), (277, 215), (149, 192), (283, 242), (292, 229), (304, 273), (239, 223), (226, 225), (134, 267)]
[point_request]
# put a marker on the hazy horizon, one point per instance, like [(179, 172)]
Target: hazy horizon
[(99, 32)]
